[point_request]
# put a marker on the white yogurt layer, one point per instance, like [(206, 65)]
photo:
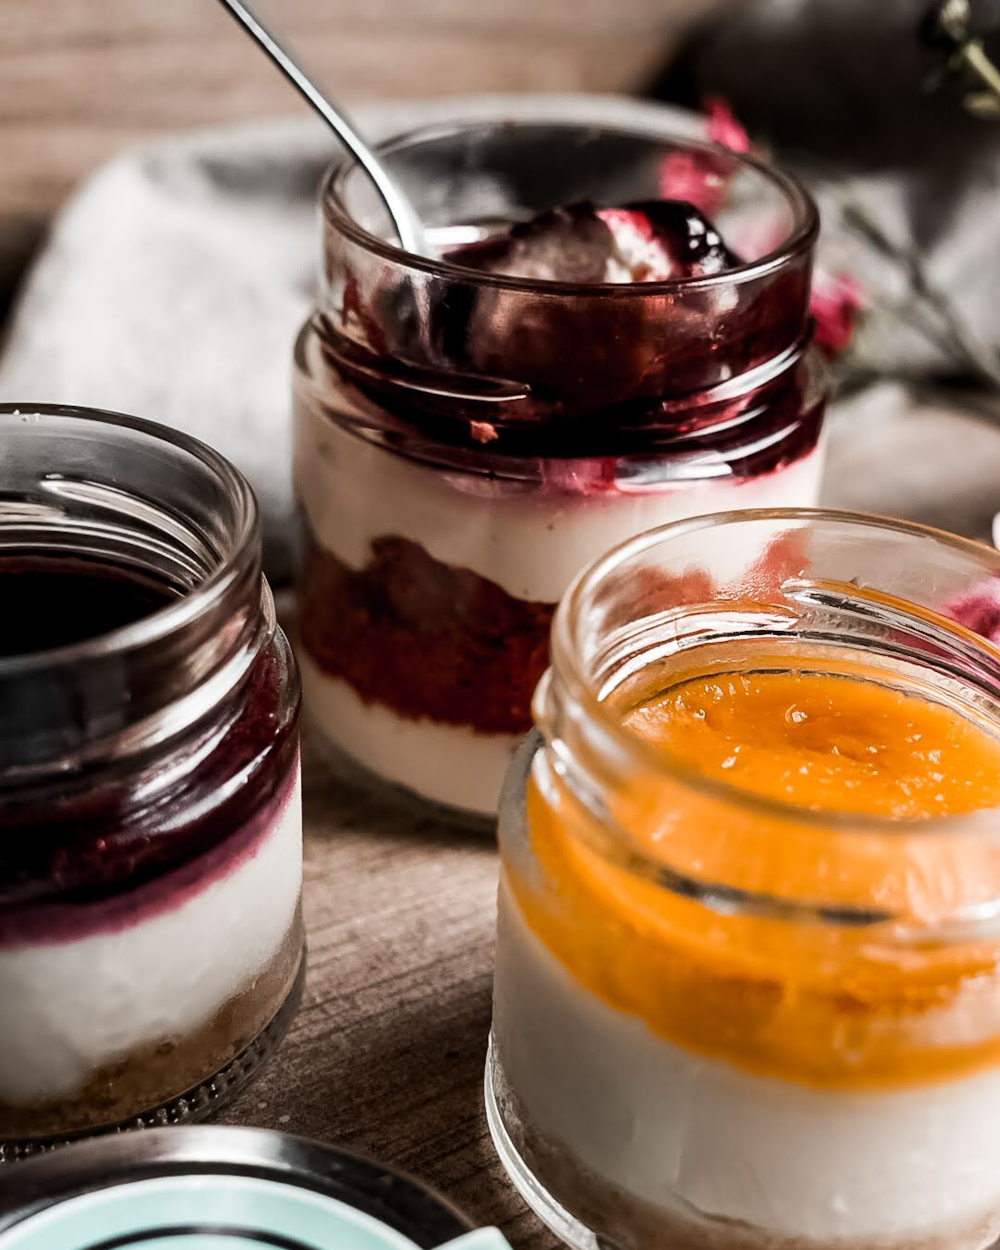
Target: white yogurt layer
[(69, 1008), (444, 763), (533, 542), (663, 1124)]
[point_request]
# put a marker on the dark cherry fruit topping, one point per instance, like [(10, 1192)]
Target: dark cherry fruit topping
[(651, 241)]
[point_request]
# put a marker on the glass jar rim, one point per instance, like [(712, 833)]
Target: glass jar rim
[(199, 598), (657, 762), (800, 238)]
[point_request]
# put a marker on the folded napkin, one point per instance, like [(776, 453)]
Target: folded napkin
[(173, 284)]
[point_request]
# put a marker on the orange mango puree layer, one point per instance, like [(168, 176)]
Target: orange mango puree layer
[(829, 1004), (828, 743)]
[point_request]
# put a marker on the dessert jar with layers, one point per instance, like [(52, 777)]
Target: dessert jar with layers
[(151, 945), (748, 960), (471, 429)]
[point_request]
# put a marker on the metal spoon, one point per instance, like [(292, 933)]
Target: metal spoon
[(409, 228)]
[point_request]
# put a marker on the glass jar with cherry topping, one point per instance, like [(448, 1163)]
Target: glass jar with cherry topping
[(151, 946), (747, 981), (587, 353)]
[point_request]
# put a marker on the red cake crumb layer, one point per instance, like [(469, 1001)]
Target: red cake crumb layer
[(423, 638)]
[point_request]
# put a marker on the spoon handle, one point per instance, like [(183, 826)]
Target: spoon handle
[(409, 231)]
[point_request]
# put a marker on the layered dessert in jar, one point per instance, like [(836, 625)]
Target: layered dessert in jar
[(151, 943), (748, 959), (586, 355)]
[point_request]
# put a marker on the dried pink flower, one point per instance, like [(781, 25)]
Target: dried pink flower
[(978, 609), (835, 303), (702, 178), (722, 127)]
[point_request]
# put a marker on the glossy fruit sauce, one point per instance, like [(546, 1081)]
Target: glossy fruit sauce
[(83, 853)]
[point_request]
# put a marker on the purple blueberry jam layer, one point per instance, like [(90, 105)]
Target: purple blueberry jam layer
[(55, 602), (93, 850)]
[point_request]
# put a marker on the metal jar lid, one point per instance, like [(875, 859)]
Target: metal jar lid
[(217, 1188)]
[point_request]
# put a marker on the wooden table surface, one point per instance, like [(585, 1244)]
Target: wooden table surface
[(386, 1054)]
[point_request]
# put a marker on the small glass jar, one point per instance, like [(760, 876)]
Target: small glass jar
[(151, 944), (721, 1019), (465, 442)]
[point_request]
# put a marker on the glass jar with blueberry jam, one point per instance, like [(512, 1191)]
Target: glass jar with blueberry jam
[(151, 944)]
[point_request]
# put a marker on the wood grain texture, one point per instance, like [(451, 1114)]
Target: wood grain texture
[(387, 1052), (82, 79)]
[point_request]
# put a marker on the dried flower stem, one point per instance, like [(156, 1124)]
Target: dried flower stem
[(930, 300)]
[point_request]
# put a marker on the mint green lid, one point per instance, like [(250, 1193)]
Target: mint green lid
[(222, 1189)]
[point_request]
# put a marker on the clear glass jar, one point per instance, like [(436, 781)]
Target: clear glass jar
[(465, 442), (721, 1018), (151, 944)]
